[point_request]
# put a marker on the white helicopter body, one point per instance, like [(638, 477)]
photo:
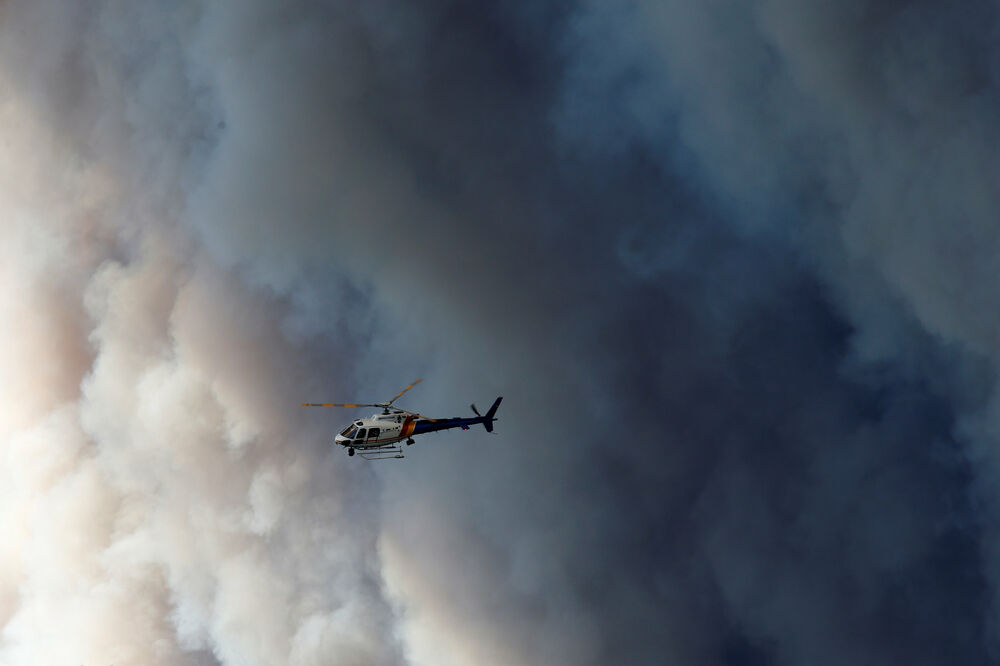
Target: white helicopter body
[(378, 436)]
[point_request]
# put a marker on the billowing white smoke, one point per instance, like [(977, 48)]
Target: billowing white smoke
[(160, 501), (165, 500)]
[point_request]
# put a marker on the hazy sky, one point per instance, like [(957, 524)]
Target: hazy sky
[(734, 267)]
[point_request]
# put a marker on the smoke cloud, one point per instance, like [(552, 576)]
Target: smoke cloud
[(731, 266)]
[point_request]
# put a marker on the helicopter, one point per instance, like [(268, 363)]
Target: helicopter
[(378, 436)]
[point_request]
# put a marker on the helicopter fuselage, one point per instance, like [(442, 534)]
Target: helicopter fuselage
[(378, 436), (383, 430)]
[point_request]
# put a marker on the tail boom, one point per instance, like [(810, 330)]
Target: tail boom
[(421, 426)]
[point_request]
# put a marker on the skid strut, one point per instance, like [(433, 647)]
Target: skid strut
[(381, 453)]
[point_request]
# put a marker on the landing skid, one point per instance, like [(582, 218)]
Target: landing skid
[(381, 453)]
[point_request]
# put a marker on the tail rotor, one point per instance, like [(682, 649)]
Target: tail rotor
[(488, 420)]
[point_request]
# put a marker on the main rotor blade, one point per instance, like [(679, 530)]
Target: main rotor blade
[(404, 391), (326, 404)]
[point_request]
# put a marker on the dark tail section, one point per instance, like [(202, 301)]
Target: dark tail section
[(489, 418)]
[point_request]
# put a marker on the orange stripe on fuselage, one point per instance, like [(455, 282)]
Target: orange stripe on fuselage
[(408, 426)]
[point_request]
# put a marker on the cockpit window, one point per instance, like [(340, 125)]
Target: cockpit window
[(347, 430), (361, 435)]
